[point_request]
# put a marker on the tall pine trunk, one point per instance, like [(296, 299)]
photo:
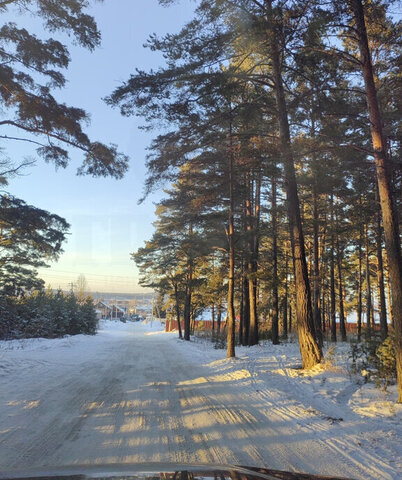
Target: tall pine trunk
[(231, 327), (360, 286), (245, 300), (323, 283), (286, 298), (311, 352), (246, 309), (340, 288), (368, 281), (188, 292), (187, 307), (177, 305), (241, 311), (252, 213), (316, 276), (383, 167), (219, 318), (380, 279), (290, 318), (332, 273), (275, 298), (390, 316)]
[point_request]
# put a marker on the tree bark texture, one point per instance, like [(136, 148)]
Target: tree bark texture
[(340, 289), (231, 327), (380, 280), (360, 287), (251, 265), (368, 281), (275, 282), (285, 299), (332, 273), (176, 295), (316, 276)]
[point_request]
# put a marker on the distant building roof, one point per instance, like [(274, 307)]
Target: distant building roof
[(103, 304)]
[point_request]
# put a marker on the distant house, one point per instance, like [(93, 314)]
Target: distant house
[(105, 310), (118, 312)]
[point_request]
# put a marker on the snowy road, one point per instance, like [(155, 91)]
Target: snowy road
[(129, 395)]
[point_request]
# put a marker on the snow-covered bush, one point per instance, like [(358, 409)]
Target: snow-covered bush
[(387, 361), (374, 359)]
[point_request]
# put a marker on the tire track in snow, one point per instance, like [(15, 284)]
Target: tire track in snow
[(330, 436)]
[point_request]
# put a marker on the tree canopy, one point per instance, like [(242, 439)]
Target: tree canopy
[(283, 106), (30, 237), (31, 69)]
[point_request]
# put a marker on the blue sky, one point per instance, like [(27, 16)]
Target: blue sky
[(106, 221)]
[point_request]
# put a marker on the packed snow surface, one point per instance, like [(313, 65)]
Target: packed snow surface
[(135, 394)]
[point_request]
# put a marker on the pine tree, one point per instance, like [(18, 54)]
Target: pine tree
[(29, 238), (384, 168), (88, 318), (31, 68)]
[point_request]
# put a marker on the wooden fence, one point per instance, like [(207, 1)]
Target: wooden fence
[(203, 325)]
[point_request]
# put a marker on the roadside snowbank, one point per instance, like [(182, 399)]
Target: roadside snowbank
[(332, 380), (369, 417), (30, 344)]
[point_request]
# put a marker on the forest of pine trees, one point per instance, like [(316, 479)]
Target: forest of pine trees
[(277, 139)]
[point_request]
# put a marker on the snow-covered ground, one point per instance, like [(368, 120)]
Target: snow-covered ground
[(134, 393)]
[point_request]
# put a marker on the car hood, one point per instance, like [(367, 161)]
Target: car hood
[(160, 472)]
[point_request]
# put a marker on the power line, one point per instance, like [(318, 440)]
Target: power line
[(67, 277), (87, 274)]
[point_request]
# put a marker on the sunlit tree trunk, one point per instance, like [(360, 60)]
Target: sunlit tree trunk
[(219, 318), (285, 299), (368, 281), (340, 288), (241, 326), (253, 215), (231, 327), (360, 287), (389, 296), (177, 306), (187, 307), (251, 266), (290, 318), (323, 286), (188, 293), (332, 272), (245, 301), (246, 309), (316, 276), (311, 352), (275, 298), (323, 311), (380, 280)]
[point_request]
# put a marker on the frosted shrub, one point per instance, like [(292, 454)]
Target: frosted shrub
[(374, 359), (386, 361), (330, 356), (46, 314)]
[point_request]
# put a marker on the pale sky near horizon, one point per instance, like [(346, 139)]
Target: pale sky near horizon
[(107, 224)]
